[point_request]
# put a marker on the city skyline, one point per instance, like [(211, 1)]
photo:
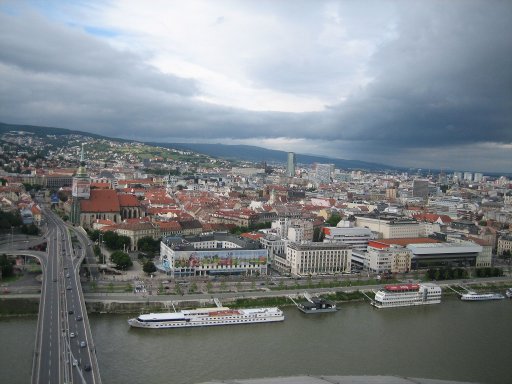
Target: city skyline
[(417, 84)]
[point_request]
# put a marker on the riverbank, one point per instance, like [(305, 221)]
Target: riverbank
[(14, 305)]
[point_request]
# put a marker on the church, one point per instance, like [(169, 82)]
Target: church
[(89, 204)]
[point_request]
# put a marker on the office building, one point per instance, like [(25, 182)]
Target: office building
[(308, 258), (420, 188), (291, 164)]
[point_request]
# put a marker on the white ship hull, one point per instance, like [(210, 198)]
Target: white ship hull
[(481, 297), (192, 319), (405, 304)]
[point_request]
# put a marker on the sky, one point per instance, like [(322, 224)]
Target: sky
[(424, 84)]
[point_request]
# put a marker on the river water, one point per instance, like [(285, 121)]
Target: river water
[(453, 341)]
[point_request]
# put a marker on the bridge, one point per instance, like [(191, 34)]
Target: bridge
[(64, 347)]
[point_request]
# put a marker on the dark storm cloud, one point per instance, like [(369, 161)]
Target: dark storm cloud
[(446, 80)]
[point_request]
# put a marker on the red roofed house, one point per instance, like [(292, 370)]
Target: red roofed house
[(169, 228), (36, 214), (137, 230)]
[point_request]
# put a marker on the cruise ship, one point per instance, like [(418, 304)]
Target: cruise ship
[(207, 316), (404, 295), (474, 296)]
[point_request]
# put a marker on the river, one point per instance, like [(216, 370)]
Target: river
[(453, 341)]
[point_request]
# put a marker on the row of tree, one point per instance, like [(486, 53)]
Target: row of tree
[(112, 240), (446, 273), (488, 272)]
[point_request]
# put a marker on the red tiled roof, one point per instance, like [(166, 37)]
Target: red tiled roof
[(127, 200), (432, 217), (252, 235), (100, 185), (101, 200), (168, 225)]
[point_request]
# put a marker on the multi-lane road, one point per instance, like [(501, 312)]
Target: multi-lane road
[(65, 351)]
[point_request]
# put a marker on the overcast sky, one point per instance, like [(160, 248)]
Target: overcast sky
[(411, 83)]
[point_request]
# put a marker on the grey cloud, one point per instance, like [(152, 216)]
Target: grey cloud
[(35, 45), (444, 81)]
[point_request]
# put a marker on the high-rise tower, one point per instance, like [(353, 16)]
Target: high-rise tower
[(81, 189), (290, 165)]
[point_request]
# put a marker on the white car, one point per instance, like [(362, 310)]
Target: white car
[(72, 334)]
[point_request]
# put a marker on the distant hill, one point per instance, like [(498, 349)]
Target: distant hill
[(230, 152), (258, 154), (43, 131)]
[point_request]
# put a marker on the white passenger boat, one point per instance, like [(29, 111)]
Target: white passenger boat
[(403, 295), (207, 316), (509, 293), (474, 296)]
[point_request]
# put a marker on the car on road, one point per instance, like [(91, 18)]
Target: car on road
[(87, 367), (83, 344), (70, 312), (75, 362), (72, 335), (67, 275), (68, 287), (79, 318)]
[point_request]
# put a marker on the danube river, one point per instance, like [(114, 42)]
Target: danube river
[(453, 340)]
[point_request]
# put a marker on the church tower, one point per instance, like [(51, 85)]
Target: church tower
[(81, 189)]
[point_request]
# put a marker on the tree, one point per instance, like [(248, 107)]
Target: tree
[(6, 266), (334, 219), (121, 259), (318, 235), (114, 241), (149, 246), (149, 267), (30, 229)]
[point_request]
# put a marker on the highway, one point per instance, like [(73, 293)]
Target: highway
[(65, 350)]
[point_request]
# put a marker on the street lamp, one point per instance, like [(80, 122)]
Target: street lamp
[(100, 244)]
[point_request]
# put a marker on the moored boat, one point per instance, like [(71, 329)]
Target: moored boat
[(206, 317), (316, 305), (474, 296), (404, 295), (508, 293)]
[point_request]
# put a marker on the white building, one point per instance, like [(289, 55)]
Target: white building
[(310, 258), (275, 244), (216, 254), (382, 257), (323, 173), (293, 229), (390, 227), (356, 238)]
